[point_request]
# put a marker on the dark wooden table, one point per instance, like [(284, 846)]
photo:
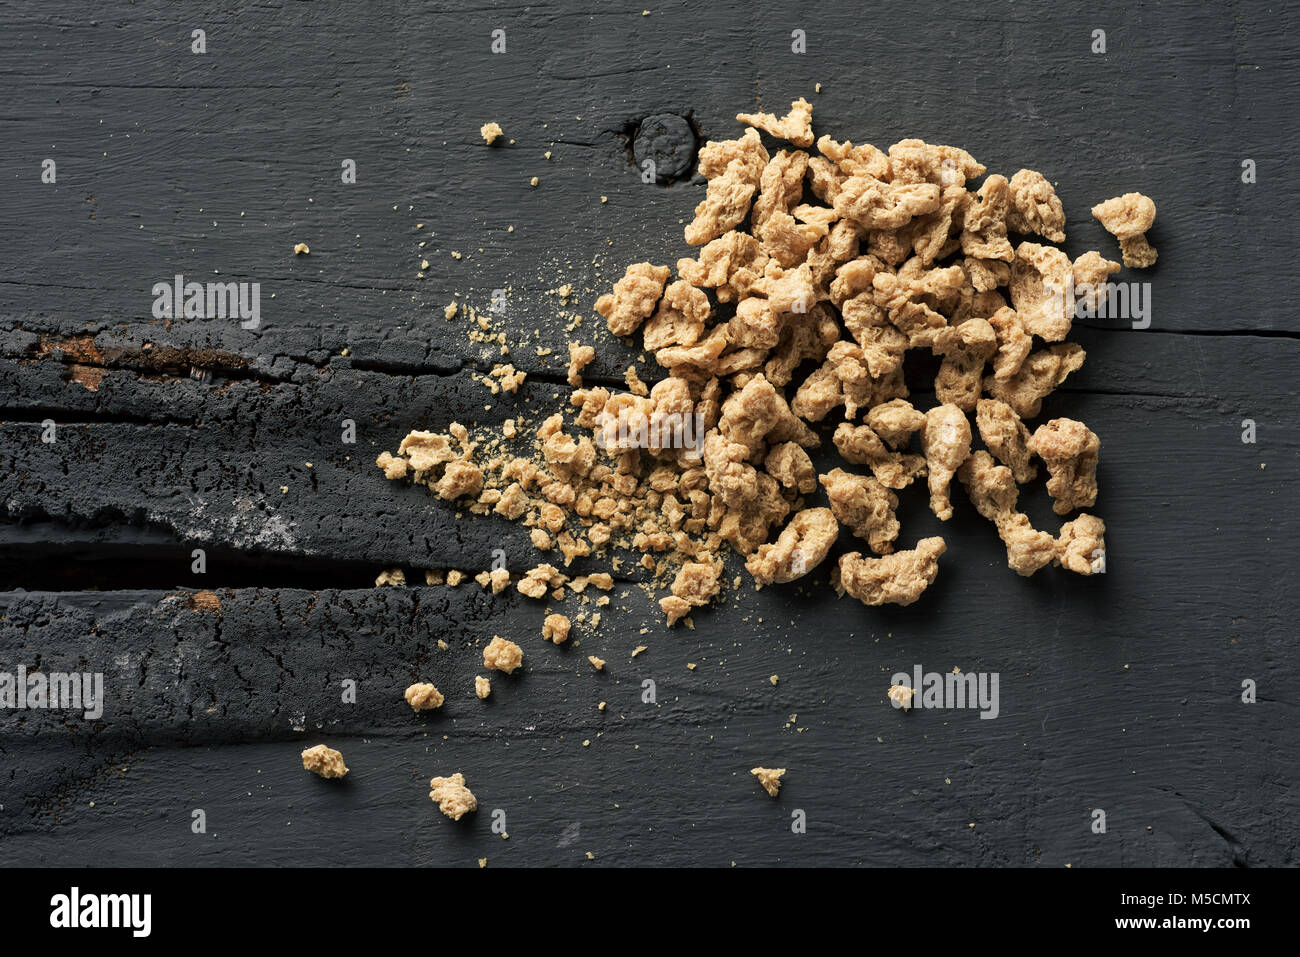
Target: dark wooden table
[(1121, 692)]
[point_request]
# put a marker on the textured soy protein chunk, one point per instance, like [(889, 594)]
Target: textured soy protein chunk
[(1070, 449), (795, 126), (502, 655), (860, 445), (324, 761), (864, 505), (1081, 547), (733, 169), (895, 422), (696, 584), (897, 579), (902, 696), (946, 439), (1035, 207), (769, 779), (732, 265), (451, 795), (634, 298), (679, 320), (1042, 283), (993, 491), (1006, 437), (1127, 218), (1091, 274), (801, 547), (580, 357), (423, 697), (966, 348), (496, 580), (556, 629), (1041, 373), (1014, 343), (790, 465)]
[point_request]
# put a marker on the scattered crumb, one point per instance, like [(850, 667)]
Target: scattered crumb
[(556, 629), (324, 761), (453, 798), (424, 697), (390, 577), (502, 655), (902, 696), (769, 778)]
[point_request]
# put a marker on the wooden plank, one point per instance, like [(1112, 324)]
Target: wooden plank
[(1119, 692), (1087, 720)]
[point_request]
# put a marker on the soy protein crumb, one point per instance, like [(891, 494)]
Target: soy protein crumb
[(482, 687), (1128, 218), (324, 761), (502, 655), (556, 629), (424, 697), (497, 580), (769, 778), (451, 795), (490, 132), (597, 663), (390, 577), (301, 249), (902, 696)]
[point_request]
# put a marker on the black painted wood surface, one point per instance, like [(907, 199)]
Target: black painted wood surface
[(1120, 693)]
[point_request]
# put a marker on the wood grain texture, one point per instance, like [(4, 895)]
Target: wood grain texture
[(1120, 692)]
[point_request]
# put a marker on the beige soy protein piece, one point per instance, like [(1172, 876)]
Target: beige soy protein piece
[(391, 578), (769, 778), (482, 687), (423, 697), (1128, 218), (324, 761), (453, 798), (556, 629), (491, 132), (502, 655), (902, 696)]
